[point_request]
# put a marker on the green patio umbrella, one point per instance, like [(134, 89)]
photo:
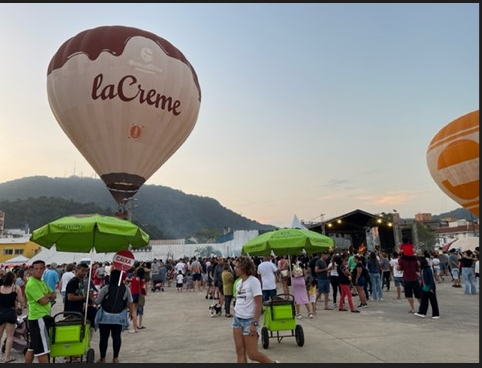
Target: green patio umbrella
[(288, 241), (84, 233)]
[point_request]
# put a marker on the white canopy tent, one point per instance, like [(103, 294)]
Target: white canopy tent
[(17, 260), (52, 255), (297, 223)]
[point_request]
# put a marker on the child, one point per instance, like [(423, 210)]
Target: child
[(298, 289), (189, 282), (312, 294), (179, 281)]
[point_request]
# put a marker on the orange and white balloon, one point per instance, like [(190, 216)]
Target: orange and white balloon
[(127, 99), (453, 160)]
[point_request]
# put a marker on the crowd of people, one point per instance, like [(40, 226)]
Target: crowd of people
[(115, 301)]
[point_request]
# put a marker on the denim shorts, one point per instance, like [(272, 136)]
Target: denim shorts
[(398, 281), (323, 286), (244, 323)]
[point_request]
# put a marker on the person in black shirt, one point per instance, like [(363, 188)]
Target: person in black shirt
[(75, 293)]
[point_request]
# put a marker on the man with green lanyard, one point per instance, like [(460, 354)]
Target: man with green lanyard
[(39, 296)]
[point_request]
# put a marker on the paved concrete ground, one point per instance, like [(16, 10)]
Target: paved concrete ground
[(179, 329)]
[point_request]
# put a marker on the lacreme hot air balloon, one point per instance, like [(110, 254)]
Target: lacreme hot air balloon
[(453, 160), (127, 99)]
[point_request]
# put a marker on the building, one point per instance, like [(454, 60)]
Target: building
[(423, 217), (456, 230), (11, 247)]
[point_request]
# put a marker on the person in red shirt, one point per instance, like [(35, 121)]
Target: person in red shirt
[(411, 284), (406, 248)]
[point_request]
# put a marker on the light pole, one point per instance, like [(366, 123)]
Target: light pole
[(396, 228), (322, 219)]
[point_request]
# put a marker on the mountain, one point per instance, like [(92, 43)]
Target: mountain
[(164, 212), (459, 213)]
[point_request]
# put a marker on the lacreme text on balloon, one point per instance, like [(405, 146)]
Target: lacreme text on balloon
[(128, 90)]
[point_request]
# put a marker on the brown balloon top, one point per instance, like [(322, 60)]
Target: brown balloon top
[(112, 39)]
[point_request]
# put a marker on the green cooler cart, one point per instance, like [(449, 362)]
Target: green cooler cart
[(70, 337), (279, 314)]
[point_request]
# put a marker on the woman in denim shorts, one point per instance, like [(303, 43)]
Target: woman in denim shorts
[(247, 313)]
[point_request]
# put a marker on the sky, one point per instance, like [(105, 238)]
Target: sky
[(312, 110)]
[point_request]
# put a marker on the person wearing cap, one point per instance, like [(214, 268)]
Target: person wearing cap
[(51, 278)]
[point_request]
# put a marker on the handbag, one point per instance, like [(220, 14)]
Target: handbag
[(142, 300)]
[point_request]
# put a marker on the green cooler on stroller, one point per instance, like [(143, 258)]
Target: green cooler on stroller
[(70, 337), (279, 314)]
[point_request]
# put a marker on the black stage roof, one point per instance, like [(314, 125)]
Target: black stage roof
[(355, 224)]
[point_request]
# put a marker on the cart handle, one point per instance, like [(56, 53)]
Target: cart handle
[(69, 313), (289, 297)]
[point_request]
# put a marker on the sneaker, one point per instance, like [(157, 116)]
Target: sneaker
[(419, 315), (298, 316), (365, 305), (310, 316), (355, 311), (343, 310), (380, 299), (436, 317), (277, 361)]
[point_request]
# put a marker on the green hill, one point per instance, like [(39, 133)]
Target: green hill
[(163, 212)]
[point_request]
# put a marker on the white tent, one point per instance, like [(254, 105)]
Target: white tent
[(465, 244), (17, 260), (52, 255), (297, 223)]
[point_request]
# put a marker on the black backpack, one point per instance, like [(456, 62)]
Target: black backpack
[(114, 301)]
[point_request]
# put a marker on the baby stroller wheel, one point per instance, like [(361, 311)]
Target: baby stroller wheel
[(265, 338), (299, 335)]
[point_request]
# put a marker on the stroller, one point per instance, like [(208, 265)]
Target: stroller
[(157, 282), (70, 336), (279, 315), (21, 336)]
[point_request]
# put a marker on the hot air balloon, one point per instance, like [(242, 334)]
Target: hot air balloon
[(453, 160), (127, 99)]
